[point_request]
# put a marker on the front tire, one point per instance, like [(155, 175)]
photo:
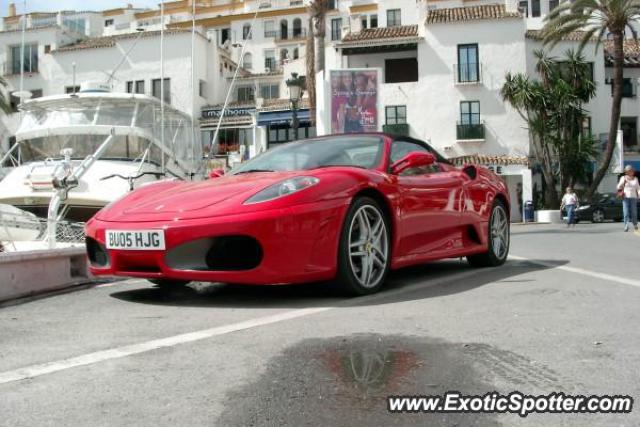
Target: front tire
[(498, 239), (364, 249), (597, 216)]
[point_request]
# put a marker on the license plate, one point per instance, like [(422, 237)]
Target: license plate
[(138, 240)]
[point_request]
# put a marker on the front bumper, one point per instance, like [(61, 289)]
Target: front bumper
[(298, 243)]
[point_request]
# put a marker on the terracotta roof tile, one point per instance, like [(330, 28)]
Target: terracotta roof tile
[(470, 13), (486, 159), (575, 36), (631, 53), (380, 33), (110, 41)]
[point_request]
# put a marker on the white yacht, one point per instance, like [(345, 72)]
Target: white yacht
[(91, 148)]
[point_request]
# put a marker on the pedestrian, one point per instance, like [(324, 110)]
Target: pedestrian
[(629, 189), (570, 203)]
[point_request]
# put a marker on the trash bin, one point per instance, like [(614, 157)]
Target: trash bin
[(528, 211)]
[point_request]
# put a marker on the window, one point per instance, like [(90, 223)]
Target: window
[(336, 29), (225, 35), (553, 4), (246, 32), (36, 93), (373, 21), (129, 87), (297, 27), (470, 112), (246, 93), (71, 89), (30, 59), (140, 86), (332, 4), (393, 18), (586, 127), (284, 29), (296, 53), (468, 64), (535, 8), (247, 61), (270, 59), (270, 91), (523, 7), (628, 87), (401, 70), (157, 92), (108, 22), (396, 114), (47, 48), (269, 29), (364, 23), (279, 134), (202, 88)]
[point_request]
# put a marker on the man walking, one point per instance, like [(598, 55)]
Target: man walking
[(570, 203)]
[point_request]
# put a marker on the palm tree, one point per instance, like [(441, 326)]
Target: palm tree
[(597, 19), (4, 100), (315, 48)]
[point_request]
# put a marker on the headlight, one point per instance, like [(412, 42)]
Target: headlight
[(284, 188)]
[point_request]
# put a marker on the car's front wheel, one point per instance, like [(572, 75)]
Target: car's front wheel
[(363, 253), (597, 216), (498, 239)]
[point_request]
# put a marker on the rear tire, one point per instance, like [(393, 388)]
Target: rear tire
[(498, 239), (169, 284), (364, 251)]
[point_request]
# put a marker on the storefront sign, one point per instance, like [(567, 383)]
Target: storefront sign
[(354, 100), (229, 112)]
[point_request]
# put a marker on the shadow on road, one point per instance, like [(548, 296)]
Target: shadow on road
[(414, 283)]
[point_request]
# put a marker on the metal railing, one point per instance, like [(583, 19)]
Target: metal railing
[(467, 74), (295, 34), (401, 129), (466, 132)]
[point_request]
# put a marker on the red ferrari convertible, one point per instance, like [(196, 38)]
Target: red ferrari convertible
[(344, 207)]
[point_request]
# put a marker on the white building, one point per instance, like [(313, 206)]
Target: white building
[(441, 67)]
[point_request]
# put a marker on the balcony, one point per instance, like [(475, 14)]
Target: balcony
[(272, 65), (268, 34), (400, 129), (467, 74), (470, 132), (291, 35)]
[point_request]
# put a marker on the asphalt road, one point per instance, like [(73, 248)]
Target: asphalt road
[(562, 315)]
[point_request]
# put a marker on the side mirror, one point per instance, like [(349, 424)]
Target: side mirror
[(216, 173), (415, 159)]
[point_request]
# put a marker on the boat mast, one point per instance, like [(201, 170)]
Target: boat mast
[(235, 75), (193, 79), (162, 81), (22, 48)]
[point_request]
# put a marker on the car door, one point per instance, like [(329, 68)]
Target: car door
[(429, 205)]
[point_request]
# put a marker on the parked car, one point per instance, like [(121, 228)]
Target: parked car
[(607, 207), (345, 207)]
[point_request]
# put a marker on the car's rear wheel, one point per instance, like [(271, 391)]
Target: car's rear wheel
[(168, 284), (498, 240), (363, 253), (597, 216)]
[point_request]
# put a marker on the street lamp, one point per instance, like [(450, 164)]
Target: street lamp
[(296, 88)]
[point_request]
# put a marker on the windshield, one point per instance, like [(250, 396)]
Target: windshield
[(357, 151)]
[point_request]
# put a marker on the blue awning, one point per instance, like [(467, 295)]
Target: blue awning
[(267, 118)]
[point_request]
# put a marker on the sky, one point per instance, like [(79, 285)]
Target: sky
[(55, 5)]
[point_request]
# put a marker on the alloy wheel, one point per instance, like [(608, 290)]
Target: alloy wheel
[(499, 232), (368, 246)]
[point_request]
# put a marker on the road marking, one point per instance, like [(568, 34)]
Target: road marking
[(130, 350), (597, 275)]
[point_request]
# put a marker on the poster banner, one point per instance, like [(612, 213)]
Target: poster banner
[(354, 100)]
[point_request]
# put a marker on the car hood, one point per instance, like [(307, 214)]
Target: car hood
[(191, 199)]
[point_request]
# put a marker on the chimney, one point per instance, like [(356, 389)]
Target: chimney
[(12, 9)]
